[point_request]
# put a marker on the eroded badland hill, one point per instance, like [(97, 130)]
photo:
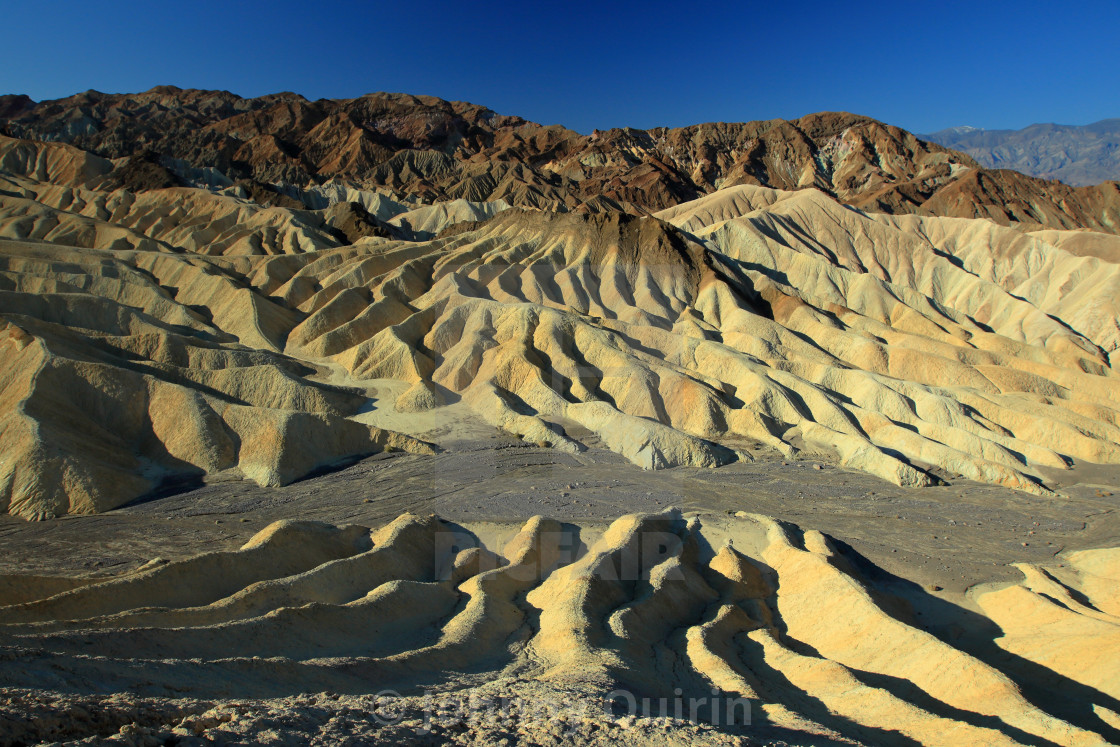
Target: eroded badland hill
[(262, 357)]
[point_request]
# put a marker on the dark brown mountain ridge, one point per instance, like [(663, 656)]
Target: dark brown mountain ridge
[(425, 148)]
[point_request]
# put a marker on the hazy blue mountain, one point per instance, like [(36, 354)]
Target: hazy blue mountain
[(1078, 155)]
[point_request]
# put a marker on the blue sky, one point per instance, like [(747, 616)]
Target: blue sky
[(584, 65)]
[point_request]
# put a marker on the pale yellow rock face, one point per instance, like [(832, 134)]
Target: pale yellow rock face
[(657, 604), (127, 360), (1075, 634), (179, 331)]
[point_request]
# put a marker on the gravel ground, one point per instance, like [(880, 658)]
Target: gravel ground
[(502, 713), (951, 536)]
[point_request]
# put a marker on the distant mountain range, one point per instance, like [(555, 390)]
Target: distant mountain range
[(1077, 155), (277, 147)]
